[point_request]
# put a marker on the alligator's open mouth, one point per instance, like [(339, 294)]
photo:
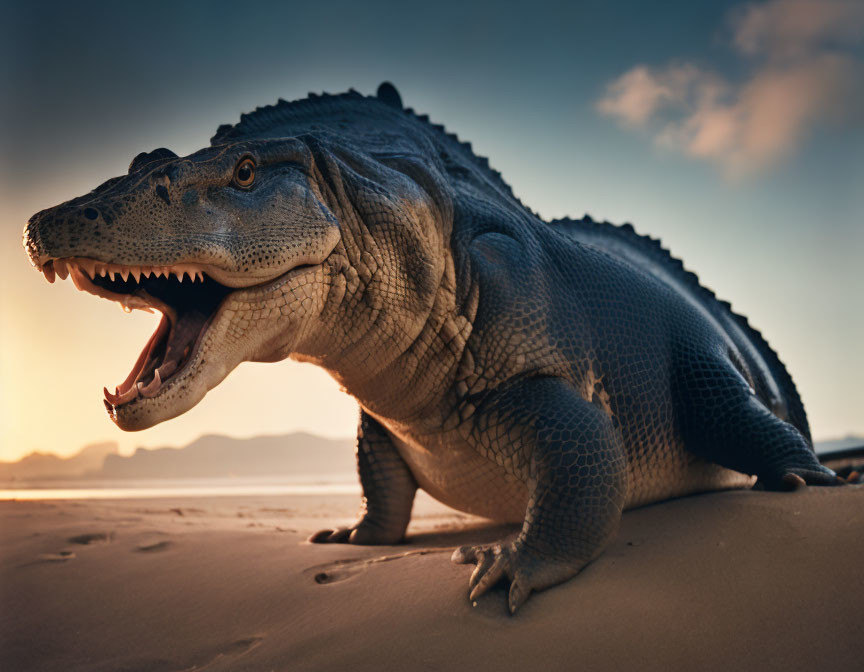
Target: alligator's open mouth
[(187, 297)]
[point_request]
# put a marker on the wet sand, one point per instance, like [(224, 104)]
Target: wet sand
[(734, 580)]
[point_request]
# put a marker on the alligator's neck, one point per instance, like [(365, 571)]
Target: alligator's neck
[(407, 381)]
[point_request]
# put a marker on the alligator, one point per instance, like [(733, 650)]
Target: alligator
[(548, 374)]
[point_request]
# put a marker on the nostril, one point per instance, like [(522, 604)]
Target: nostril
[(91, 213)]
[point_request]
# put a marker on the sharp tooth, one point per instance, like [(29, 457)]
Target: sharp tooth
[(167, 369), (124, 273), (102, 271), (82, 265), (61, 269), (48, 272), (150, 390), (77, 277), (112, 398), (136, 273), (90, 268), (129, 395)]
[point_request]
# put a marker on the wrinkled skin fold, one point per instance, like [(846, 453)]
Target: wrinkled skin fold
[(548, 374)]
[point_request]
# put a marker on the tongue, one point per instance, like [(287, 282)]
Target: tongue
[(183, 334), (180, 339), (177, 337), (146, 355)]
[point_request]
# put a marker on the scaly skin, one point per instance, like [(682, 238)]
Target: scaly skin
[(551, 374)]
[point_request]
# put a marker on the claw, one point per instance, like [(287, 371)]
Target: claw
[(484, 562), (793, 481), (464, 555), (340, 535), (492, 576), (336, 536), (320, 537), (361, 533), (519, 593)]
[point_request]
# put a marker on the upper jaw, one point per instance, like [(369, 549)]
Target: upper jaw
[(51, 267), (83, 271)]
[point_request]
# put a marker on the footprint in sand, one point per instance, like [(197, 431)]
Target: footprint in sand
[(92, 538), (230, 651), (340, 570), (154, 547), (62, 556), (65, 556), (50, 558), (333, 575)]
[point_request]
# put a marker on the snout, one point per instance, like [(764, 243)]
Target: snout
[(62, 231), (32, 241)]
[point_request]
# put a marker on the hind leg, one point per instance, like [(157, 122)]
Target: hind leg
[(725, 422)]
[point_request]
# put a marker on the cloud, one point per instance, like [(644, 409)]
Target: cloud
[(802, 70), (786, 28), (638, 94)]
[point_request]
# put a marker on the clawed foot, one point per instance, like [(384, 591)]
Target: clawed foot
[(797, 478), (526, 571), (362, 533)]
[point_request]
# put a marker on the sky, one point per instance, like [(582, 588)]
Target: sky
[(733, 131)]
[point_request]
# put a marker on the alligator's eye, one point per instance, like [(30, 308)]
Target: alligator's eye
[(244, 173)]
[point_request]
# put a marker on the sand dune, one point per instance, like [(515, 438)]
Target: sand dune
[(733, 580)]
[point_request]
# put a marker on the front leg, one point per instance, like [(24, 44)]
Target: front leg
[(388, 491), (571, 456)]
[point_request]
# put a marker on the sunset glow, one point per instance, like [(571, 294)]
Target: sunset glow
[(783, 244)]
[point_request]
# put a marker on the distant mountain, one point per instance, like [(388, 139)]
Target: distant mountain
[(832, 445), (47, 466), (217, 456)]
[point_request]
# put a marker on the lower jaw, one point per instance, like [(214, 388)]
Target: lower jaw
[(136, 417), (177, 394), (180, 395), (175, 400)]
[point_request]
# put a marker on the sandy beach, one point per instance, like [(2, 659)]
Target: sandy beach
[(732, 580)]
